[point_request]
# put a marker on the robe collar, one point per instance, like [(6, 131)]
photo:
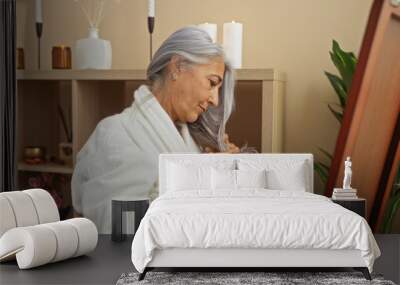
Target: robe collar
[(175, 141)]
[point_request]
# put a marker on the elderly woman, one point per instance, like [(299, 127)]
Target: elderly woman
[(184, 109)]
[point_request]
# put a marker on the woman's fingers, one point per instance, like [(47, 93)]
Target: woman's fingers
[(208, 149), (230, 147), (233, 148), (226, 138)]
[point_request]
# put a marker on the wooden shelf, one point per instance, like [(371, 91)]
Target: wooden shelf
[(45, 167), (134, 74), (88, 96)]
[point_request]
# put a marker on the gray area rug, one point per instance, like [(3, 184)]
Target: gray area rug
[(232, 278)]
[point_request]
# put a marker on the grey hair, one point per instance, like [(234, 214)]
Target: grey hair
[(194, 46)]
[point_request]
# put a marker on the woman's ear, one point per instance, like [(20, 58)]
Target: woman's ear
[(175, 64), (174, 67)]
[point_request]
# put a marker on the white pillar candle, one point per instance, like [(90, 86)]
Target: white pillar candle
[(38, 13), (211, 29), (151, 6), (232, 43)]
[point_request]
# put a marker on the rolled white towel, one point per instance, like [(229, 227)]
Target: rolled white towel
[(40, 244), (7, 218), (45, 205), (23, 208)]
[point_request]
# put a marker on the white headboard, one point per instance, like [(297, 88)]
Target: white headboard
[(215, 157)]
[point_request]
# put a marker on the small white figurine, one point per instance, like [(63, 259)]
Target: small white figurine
[(347, 174)]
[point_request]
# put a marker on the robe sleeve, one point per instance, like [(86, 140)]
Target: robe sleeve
[(109, 165)]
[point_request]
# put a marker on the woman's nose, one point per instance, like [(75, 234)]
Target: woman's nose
[(214, 97)]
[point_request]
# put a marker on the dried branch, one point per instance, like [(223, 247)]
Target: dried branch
[(93, 10)]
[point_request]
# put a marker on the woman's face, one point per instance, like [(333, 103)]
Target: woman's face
[(196, 88)]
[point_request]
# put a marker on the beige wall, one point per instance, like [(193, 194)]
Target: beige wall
[(292, 36)]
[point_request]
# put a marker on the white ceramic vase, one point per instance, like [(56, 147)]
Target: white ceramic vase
[(93, 52)]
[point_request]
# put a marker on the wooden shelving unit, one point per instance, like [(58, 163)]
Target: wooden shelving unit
[(135, 74), (45, 167), (91, 95)]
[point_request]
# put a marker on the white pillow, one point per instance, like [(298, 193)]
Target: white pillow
[(183, 178), (251, 178), (282, 174), (223, 179), (293, 179)]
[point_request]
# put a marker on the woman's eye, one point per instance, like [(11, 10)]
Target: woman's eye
[(212, 83)]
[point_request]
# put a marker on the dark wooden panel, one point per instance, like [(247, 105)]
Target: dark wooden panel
[(244, 126), (38, 121)]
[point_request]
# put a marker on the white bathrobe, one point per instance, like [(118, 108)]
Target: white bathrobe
[(121, 157)]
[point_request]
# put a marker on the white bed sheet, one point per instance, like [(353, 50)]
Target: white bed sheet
[(250, 218)]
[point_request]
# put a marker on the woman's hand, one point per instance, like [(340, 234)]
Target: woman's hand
[(231, 148)]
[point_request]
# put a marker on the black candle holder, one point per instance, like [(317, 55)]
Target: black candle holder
[(150, 26), (39, 30)]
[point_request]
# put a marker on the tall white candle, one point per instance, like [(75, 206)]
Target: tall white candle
[(232, 43), (38, 13), (211, 29), (151, 6)]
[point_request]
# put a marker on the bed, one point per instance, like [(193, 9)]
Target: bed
[(245, 211)]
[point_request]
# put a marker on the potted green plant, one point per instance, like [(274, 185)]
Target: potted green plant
[(345, 63), (393, 205)]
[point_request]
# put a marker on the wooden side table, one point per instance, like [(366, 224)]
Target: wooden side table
[(358, 205), (121, 205)]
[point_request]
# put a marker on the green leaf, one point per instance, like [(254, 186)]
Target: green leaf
[(397, 180), (339, 87), (392, 208), (330, 156), (324, 166), (345, 63), (322, 170), (353, 60), (393, 204), (338, 115)]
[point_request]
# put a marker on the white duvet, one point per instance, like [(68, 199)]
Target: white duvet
[(251, 218)]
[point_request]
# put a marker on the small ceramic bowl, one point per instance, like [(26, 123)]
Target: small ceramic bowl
[(31, 152)]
